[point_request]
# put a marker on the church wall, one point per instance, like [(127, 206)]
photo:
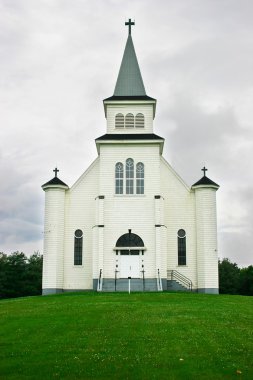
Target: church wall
[(80, 214), (145, 109), (179, 214), (135, 212)]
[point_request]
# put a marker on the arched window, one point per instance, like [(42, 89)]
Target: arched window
[(78, 247), (181, 244), (119, 174), (140, 178), (129, 176), (119, 120), (129, 120), (139, 120)]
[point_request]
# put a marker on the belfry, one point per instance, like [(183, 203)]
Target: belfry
[(130, 220)]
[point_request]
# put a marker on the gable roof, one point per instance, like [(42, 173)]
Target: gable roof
[(129, 82)]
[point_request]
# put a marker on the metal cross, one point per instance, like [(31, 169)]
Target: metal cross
[(56, 171), (129, 23), (204, 170)]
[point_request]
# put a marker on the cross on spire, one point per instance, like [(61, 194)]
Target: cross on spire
[(204, 170), (129, 23), (55, 171)]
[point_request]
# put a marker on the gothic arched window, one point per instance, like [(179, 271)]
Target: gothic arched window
[(119, 120), (119, 175), (129, 120), (181, 246), (129, 176), (78, 247), (140, 178), (139, 120)]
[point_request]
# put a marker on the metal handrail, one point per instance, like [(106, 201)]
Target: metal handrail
[(174, 274), (100, 281)]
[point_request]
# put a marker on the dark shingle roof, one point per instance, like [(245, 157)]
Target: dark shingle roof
[(140, 97), (55, 181), (129, 136), (205, 181)]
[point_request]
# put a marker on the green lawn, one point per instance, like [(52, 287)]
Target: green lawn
[(120, 336)]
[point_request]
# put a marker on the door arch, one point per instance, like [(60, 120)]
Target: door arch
[(130, 247)]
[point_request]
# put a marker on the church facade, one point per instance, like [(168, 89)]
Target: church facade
[(130, 220)]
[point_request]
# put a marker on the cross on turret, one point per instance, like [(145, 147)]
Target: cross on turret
[(204, 170), (129, 23), (55, 171)]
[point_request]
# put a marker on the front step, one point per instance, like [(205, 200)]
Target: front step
[(136, 285)]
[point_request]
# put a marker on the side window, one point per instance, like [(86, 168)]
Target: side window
[(181, 244), (129, 120), (78, 247), (119, 175), (119, 120), (139, 120), (140, 178), (129, 176)]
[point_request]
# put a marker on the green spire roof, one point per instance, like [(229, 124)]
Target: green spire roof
[(129, 82)]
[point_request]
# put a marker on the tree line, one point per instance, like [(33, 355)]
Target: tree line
[(21, 276), (235, 280)]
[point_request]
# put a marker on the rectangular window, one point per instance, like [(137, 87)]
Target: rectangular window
[(78, 249), (181, 251)]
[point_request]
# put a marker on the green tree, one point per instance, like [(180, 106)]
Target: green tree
[(229, 277), (246, 281), (34, 274), (19, 275)]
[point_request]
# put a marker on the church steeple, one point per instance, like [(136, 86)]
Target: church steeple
[(129, 82)]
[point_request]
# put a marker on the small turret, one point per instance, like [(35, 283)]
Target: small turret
[(206, 231), (54, 222)]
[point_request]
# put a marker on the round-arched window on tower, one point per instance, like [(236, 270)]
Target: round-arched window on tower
[(129, 120), (139, 120), (119, 120)]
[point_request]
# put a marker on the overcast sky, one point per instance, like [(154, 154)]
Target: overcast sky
[(60, 58)]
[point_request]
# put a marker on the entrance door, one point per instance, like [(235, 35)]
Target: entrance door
[(130, 266)]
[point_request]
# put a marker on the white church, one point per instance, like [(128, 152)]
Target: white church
[(130, 221)]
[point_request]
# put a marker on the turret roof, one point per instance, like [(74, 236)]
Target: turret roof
[(206, 182), (54, 182)]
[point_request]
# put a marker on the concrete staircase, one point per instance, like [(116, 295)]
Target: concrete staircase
[(136, 285), (176, 286)]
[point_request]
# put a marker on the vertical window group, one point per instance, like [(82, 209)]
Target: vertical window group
[(133, 181)]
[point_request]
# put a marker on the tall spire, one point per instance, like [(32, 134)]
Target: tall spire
[(129, 82)]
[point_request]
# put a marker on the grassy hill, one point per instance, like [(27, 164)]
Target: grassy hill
[(121, 336)]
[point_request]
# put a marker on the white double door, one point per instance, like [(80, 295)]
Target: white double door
[(130, 266)]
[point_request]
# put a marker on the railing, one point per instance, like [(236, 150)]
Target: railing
[(143, 279), (115, 280), (179, 277), (159, 281), (100, 281)]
